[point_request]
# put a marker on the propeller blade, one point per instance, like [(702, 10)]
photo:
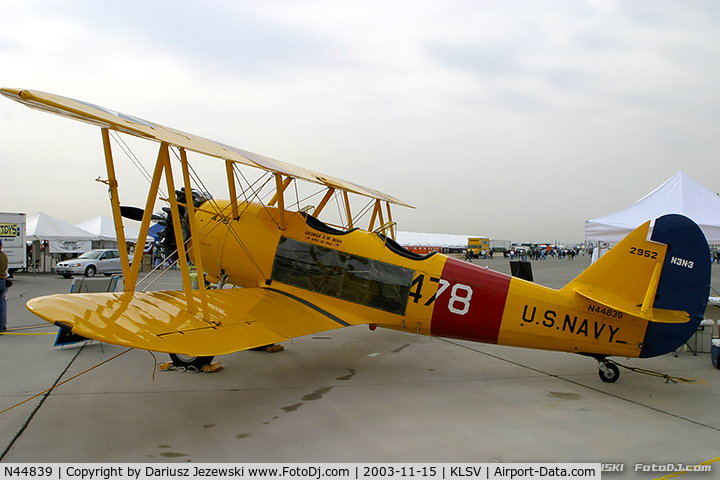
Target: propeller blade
[(135, 213), (132, 213)]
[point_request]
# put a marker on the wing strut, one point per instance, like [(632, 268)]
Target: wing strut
[(115, 202), (390, 221), (131, 280), (377, 213), (231, 189), (177, 227), (163, 165), (324, 201), (194, 235), (347, 210), (280, 197), (277, 195)]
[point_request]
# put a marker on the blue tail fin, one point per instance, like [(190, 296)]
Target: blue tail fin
[(684, 283)]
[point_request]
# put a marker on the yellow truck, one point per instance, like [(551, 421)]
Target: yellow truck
[(477, 245)]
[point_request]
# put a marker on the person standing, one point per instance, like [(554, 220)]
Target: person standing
[(3, 289)]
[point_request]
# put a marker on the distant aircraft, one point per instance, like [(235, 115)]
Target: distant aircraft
[(300, 275)]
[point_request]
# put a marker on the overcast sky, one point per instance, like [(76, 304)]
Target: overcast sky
[(511, 119)]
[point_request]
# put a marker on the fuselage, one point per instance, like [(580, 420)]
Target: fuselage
[(365, 278)]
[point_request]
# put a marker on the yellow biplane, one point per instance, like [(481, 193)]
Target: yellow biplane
[(292, 274)]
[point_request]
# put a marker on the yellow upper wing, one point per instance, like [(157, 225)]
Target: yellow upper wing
[(239, 319), (106, 118)]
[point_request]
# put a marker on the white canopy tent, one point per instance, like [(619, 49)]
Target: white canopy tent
[(680, 194), (62, 237), (104, 230), (50, 237), (432, 240)]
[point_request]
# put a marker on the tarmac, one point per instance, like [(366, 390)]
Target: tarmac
[(350, 395)]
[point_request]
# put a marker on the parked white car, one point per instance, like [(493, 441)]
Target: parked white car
[(91, 263)]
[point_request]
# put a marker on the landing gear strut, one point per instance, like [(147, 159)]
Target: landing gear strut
[(608, 371)]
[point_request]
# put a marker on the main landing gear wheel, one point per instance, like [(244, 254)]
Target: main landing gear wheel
[(187, 361), (608, 372)]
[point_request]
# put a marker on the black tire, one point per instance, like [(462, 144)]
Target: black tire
[(611, 376), (90, 271), (187, 361)]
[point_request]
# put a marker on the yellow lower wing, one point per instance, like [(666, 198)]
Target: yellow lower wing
[(239, 319)]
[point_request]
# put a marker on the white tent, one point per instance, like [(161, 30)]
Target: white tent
[(50, 236), (680, 194), (416, 239), (62, 237), (104, 230)]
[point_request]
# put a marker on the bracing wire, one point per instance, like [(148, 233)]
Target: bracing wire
[(363, 212), (251, 186), (341, 215), (196, 178), (133, 158), (297, 195), (305, 199)]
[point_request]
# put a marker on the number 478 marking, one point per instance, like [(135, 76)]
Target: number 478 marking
[(460, 294)]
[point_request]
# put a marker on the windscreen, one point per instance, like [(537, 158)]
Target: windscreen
[(342, 275)]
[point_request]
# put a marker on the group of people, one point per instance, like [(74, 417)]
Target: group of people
[(715, 256), (482, 255), (542, 253)]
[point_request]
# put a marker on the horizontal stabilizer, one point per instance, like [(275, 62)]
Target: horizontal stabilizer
[(237, 319), (658, 315)]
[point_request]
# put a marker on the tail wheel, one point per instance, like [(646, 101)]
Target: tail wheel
[(608, 372), (187, 361)]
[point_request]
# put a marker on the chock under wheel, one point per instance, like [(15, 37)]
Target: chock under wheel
[(209, 368)]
